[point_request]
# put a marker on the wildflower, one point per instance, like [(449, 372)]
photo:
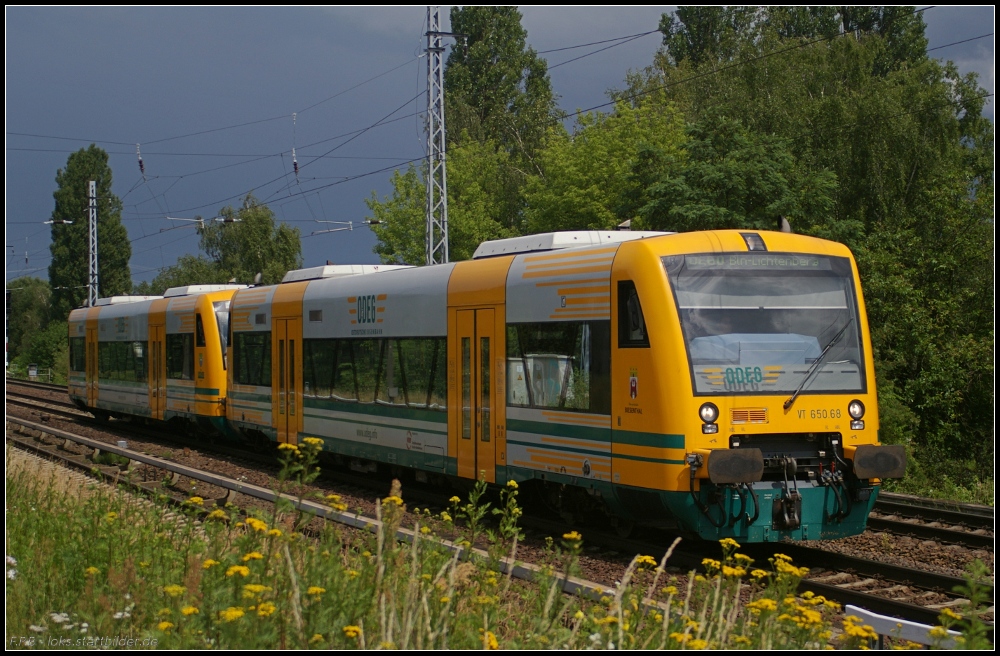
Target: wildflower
[(333, 497), (697, 644), (165, 626), (454, 500), (315, 590), (578, 615), (366, 554), (256, 524), (110, 517), (316, 639), (710, 564), (274, 533), (783, 557), (730, 543), (737, 572), (10, 560), (255, 589), (743, 558), (938, 632), (59, 618), (761, 605), (657, 617), (231, 614), (512, 484), (484, 600), (572, 536), (490, 641), (122, 615), (196, 501), (352, 631), (253, 555), (759, 573), (242, 570), (209, 564), (174, 590), (165, 612), (35, 628), (12, 574), (646, 560), (445, 517), (425, 530), (217, 514), (285, 446), (669, 590), (445, 599), (266, 609), (352, 574), (143, 563), (91, 571), (189, 610), (741, 640), (949, 613), (680, 637), (313, 441), (392, 499)]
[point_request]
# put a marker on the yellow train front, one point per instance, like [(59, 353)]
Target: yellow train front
[(716, 382)]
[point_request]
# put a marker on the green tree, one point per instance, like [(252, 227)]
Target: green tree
[(245, 243), (475, 208), (68, 272), (28, 312), (48, 349), (585, 179), (189, 270)]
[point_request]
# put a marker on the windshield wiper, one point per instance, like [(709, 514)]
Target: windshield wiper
[(812, 369)]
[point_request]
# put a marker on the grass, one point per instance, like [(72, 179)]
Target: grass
[(100, 564)]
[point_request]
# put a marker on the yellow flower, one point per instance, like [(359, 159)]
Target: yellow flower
[(231, 614), (697, 644), (91, 571), (743, 558), (759, 573), (646, 560), (174, 590), (783, 557), (938, 632), (512, 484), (762, 604), (265, 609), (445, 517), (274, 533), (165, 612), (313, 441), (669, 590), (710, 564), (256, 588), (143, 563), (445, 600), (578, 615), (737, 572), (392, 499), (352, 574), (425, 530), (196, 501), (189, 610), (333, 497), (572, 536), (242, 570), (317, 638), (253, 555), (729, 542), (256, 524), (352, 631), (285, 446), (208, 564), (165, 626), (490, 641), (217, 514), (315, 590), (111, 516), (680, 637), (454, 500), (947, 612)]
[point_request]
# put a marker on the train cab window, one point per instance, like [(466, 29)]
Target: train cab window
[(199, 331), (631, 324), (180, 356)]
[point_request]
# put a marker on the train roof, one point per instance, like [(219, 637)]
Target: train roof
[(119, 300), (551, 241), (338, 271), (197, 289)]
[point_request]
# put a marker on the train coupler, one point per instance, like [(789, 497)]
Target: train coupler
[(787, 509)]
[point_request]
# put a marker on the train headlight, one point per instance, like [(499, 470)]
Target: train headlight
[(708, 412), (857, 410)]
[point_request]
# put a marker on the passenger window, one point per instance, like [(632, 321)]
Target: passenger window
[(631, 324)]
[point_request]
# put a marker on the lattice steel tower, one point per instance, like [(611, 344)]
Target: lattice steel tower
[(92, 278), (437, 176)]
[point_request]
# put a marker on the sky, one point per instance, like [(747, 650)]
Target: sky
[(217, 98)]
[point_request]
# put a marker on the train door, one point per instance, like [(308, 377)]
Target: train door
[(476, 341), (287, 382), (157, 373), (92, 361)]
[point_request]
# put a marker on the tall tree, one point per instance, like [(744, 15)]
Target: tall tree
[(497, 91), (69, 270)]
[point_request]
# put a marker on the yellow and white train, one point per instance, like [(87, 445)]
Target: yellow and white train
[(718, 382)]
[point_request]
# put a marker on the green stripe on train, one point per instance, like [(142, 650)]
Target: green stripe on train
[(606, 435)]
